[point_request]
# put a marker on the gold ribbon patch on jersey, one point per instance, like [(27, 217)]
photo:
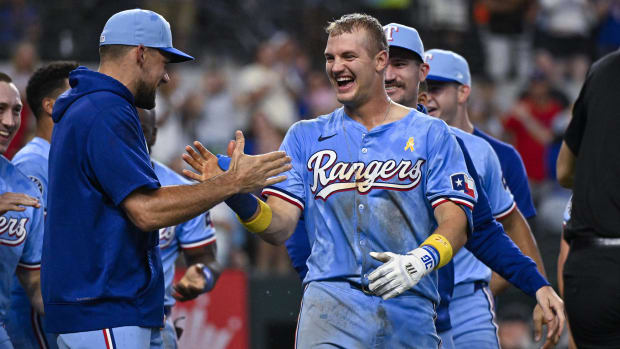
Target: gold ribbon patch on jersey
[(410, 144)]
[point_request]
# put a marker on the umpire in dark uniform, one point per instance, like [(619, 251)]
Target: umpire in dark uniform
[(589, 163)]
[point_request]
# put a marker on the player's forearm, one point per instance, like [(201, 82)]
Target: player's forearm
[(518, 230), (281, 228), (31, 282), (282, 221), (452, 224), (171, 205)]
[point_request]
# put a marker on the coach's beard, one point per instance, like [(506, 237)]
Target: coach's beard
[(145, 96)]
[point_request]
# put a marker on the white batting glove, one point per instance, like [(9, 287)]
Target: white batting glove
[(400, 272)]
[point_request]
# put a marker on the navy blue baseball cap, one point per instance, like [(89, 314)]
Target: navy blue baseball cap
[(399, 35), (141, 27), (447, 66)]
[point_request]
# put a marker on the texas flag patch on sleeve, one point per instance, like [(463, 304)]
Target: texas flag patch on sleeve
[(462, 182)]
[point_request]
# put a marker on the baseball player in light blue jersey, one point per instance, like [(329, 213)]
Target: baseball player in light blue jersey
[(194, 238), (21, 216), (372, 179), (24, 325), (471, 308), (403, 76)]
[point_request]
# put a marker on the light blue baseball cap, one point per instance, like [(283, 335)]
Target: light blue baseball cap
[(447, 66), (141, 27), (399, 35)]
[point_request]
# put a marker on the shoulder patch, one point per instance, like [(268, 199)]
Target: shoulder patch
[(462, 182)]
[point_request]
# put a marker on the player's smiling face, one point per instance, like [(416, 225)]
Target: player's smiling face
[(350, 66), (10, 109), (403, 75), (443, 100)]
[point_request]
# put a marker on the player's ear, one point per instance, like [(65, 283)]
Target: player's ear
[(140, 54), (423, 72), (47, 105), (381, 60), (423, 98), (463, 93)]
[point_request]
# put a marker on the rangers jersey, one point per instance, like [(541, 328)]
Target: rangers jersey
[(363, 191), (21, 233)]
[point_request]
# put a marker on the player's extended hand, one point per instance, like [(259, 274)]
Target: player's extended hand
[(190, 286), (16, 202), (203, 161), (398, 273), (550, 312), (254, 172), (250, 172)]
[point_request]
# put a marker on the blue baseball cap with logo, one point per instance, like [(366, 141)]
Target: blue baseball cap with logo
[(447, 66), (399, 35), (141, 27)]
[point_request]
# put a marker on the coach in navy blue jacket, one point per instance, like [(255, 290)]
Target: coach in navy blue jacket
[(102, 274)]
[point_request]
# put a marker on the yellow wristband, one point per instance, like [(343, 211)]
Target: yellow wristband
[(442, 245), (262, 220)]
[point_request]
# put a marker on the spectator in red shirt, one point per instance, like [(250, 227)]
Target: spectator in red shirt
[(529, 125)]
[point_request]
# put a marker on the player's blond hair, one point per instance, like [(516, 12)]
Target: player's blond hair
[(356, 21)]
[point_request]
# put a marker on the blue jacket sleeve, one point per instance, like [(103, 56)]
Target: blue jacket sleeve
[(493, 247), (490, 244)]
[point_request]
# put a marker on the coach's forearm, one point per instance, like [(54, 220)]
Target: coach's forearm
[(518, 230), (452, 225), (167, 206)]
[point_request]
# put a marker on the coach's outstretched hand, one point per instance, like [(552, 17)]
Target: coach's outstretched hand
[(16, 202), (249, 172), (550, 312)]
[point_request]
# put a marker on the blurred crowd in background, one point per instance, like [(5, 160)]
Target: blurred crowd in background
[(260, 69)]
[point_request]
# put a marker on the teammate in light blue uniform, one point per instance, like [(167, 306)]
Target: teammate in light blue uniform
[(471, 277), (21, 216), (471, 308), (402, 84), (407, 164), (25, 326), (373, 180), (194, 238)]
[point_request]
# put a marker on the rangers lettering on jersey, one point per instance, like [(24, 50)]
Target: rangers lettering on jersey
[(16, 229), (339, 178)]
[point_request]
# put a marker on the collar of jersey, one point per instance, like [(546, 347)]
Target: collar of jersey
[(350, 123), (44, 144)]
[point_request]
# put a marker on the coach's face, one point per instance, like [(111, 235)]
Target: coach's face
[(351, 68), (153, 73), (403, 75), (10, 110)]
